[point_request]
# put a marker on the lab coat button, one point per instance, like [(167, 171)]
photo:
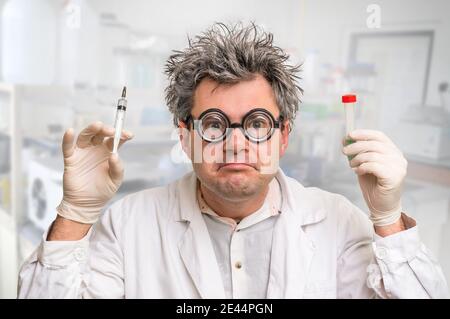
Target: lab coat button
[(79, 254), (238, 265), (381, 252)]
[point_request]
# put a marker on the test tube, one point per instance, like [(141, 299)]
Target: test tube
[(349, 101)]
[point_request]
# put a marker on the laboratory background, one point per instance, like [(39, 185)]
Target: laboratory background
[(63, 64)]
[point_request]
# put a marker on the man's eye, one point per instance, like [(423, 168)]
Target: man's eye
[(215, 125), (257, 124)]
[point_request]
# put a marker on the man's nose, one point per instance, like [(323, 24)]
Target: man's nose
[(236, 141)]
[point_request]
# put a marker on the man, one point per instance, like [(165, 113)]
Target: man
[(236, 227)]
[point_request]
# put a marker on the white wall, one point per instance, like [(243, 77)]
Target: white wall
[(176, 18)]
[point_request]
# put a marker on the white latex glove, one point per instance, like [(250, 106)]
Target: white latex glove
[(92, 174), (381, 169)]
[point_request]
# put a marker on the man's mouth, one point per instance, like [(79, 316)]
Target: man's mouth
[(236, 166)]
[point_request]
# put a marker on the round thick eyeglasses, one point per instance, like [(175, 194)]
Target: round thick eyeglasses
[(213, 125)]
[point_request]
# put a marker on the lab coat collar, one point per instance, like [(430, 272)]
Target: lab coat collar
[(305, 209), (292, 250)]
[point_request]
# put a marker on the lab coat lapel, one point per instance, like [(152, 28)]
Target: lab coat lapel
[(291, 257), (195, 247), (292, 250)]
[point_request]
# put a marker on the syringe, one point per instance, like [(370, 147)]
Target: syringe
[(120, 117)]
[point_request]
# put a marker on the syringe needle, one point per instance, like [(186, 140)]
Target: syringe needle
[(120, 117)]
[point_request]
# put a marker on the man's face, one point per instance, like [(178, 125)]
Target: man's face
[(236, 168)]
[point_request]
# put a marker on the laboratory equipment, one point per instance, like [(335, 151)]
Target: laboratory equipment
[(425, 140), (120, 117), (44, 190), (423, 130)]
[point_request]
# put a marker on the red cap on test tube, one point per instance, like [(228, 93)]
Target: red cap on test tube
[(349, 98)]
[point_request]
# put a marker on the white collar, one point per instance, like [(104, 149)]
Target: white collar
[(303, 208)]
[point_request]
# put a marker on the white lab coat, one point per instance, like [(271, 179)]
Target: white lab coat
[(155, 244)]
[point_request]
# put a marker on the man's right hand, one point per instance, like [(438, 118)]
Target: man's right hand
[(92, 175)]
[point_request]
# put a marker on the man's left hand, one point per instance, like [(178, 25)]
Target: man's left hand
[(381, 169)]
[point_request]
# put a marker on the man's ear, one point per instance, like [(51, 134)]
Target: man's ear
[(284, 137), (184, 135)]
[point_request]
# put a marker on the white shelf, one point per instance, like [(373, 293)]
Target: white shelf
[(9, 261), (8, 255)]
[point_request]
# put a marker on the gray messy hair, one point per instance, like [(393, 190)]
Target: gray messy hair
[(228, 55)]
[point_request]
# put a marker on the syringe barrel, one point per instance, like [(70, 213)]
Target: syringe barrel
[(118, 125)]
